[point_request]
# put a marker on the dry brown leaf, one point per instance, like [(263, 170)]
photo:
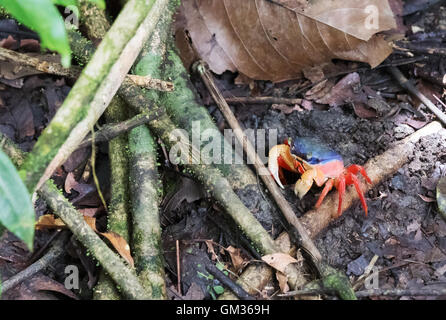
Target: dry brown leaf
[(70, 182), (283, 282), (120, 245), (48, 221), (283, 242), (237, 261), (210, 245), (115, 239), (275, 40), (279, 261)]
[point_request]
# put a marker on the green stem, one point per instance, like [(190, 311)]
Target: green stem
[(145, 194), (118, 214)]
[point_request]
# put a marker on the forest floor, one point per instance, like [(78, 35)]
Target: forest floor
[(403, 227)]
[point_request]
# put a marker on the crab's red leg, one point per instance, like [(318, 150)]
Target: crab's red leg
[(354, 180), (355, 168), (328, 186), (341, 189)]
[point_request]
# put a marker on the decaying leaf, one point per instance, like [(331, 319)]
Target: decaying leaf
[(49, 221), (275, 40), (115, 239), (236, 257), (210, 245), (279, 261), (283, 282)]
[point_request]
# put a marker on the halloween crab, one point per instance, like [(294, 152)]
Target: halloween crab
[(317, 164)]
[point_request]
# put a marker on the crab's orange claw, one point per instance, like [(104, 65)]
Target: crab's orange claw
[(341, 190), (280, 157), (354, 180), (305, 182), (328, 186), (354, 169)]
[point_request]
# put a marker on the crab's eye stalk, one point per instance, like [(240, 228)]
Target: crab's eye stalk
[(287, 141)]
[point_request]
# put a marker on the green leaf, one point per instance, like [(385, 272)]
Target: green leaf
[(65, 3), (17, 212), (43, 17), (219, 289)]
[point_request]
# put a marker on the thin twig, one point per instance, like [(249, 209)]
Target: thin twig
[(110, 131), (262, 100), (178, 267), (73, 72), (93, 166), (406, 84)]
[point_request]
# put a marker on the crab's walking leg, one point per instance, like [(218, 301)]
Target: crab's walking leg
[(341, 189), (328, 186), (355, 168), (354, 180)]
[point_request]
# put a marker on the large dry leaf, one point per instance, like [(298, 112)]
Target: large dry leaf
[(279, 261), (276, 39)]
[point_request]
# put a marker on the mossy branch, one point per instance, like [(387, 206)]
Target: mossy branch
[(119, 211), (145, 193)]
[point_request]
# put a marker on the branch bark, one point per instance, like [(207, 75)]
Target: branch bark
[(74, 72)]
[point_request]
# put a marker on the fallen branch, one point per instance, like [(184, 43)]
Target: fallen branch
[(378, 169), (74, 72), (116, 115), (145, 195), (57, 249), (93, 90)]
